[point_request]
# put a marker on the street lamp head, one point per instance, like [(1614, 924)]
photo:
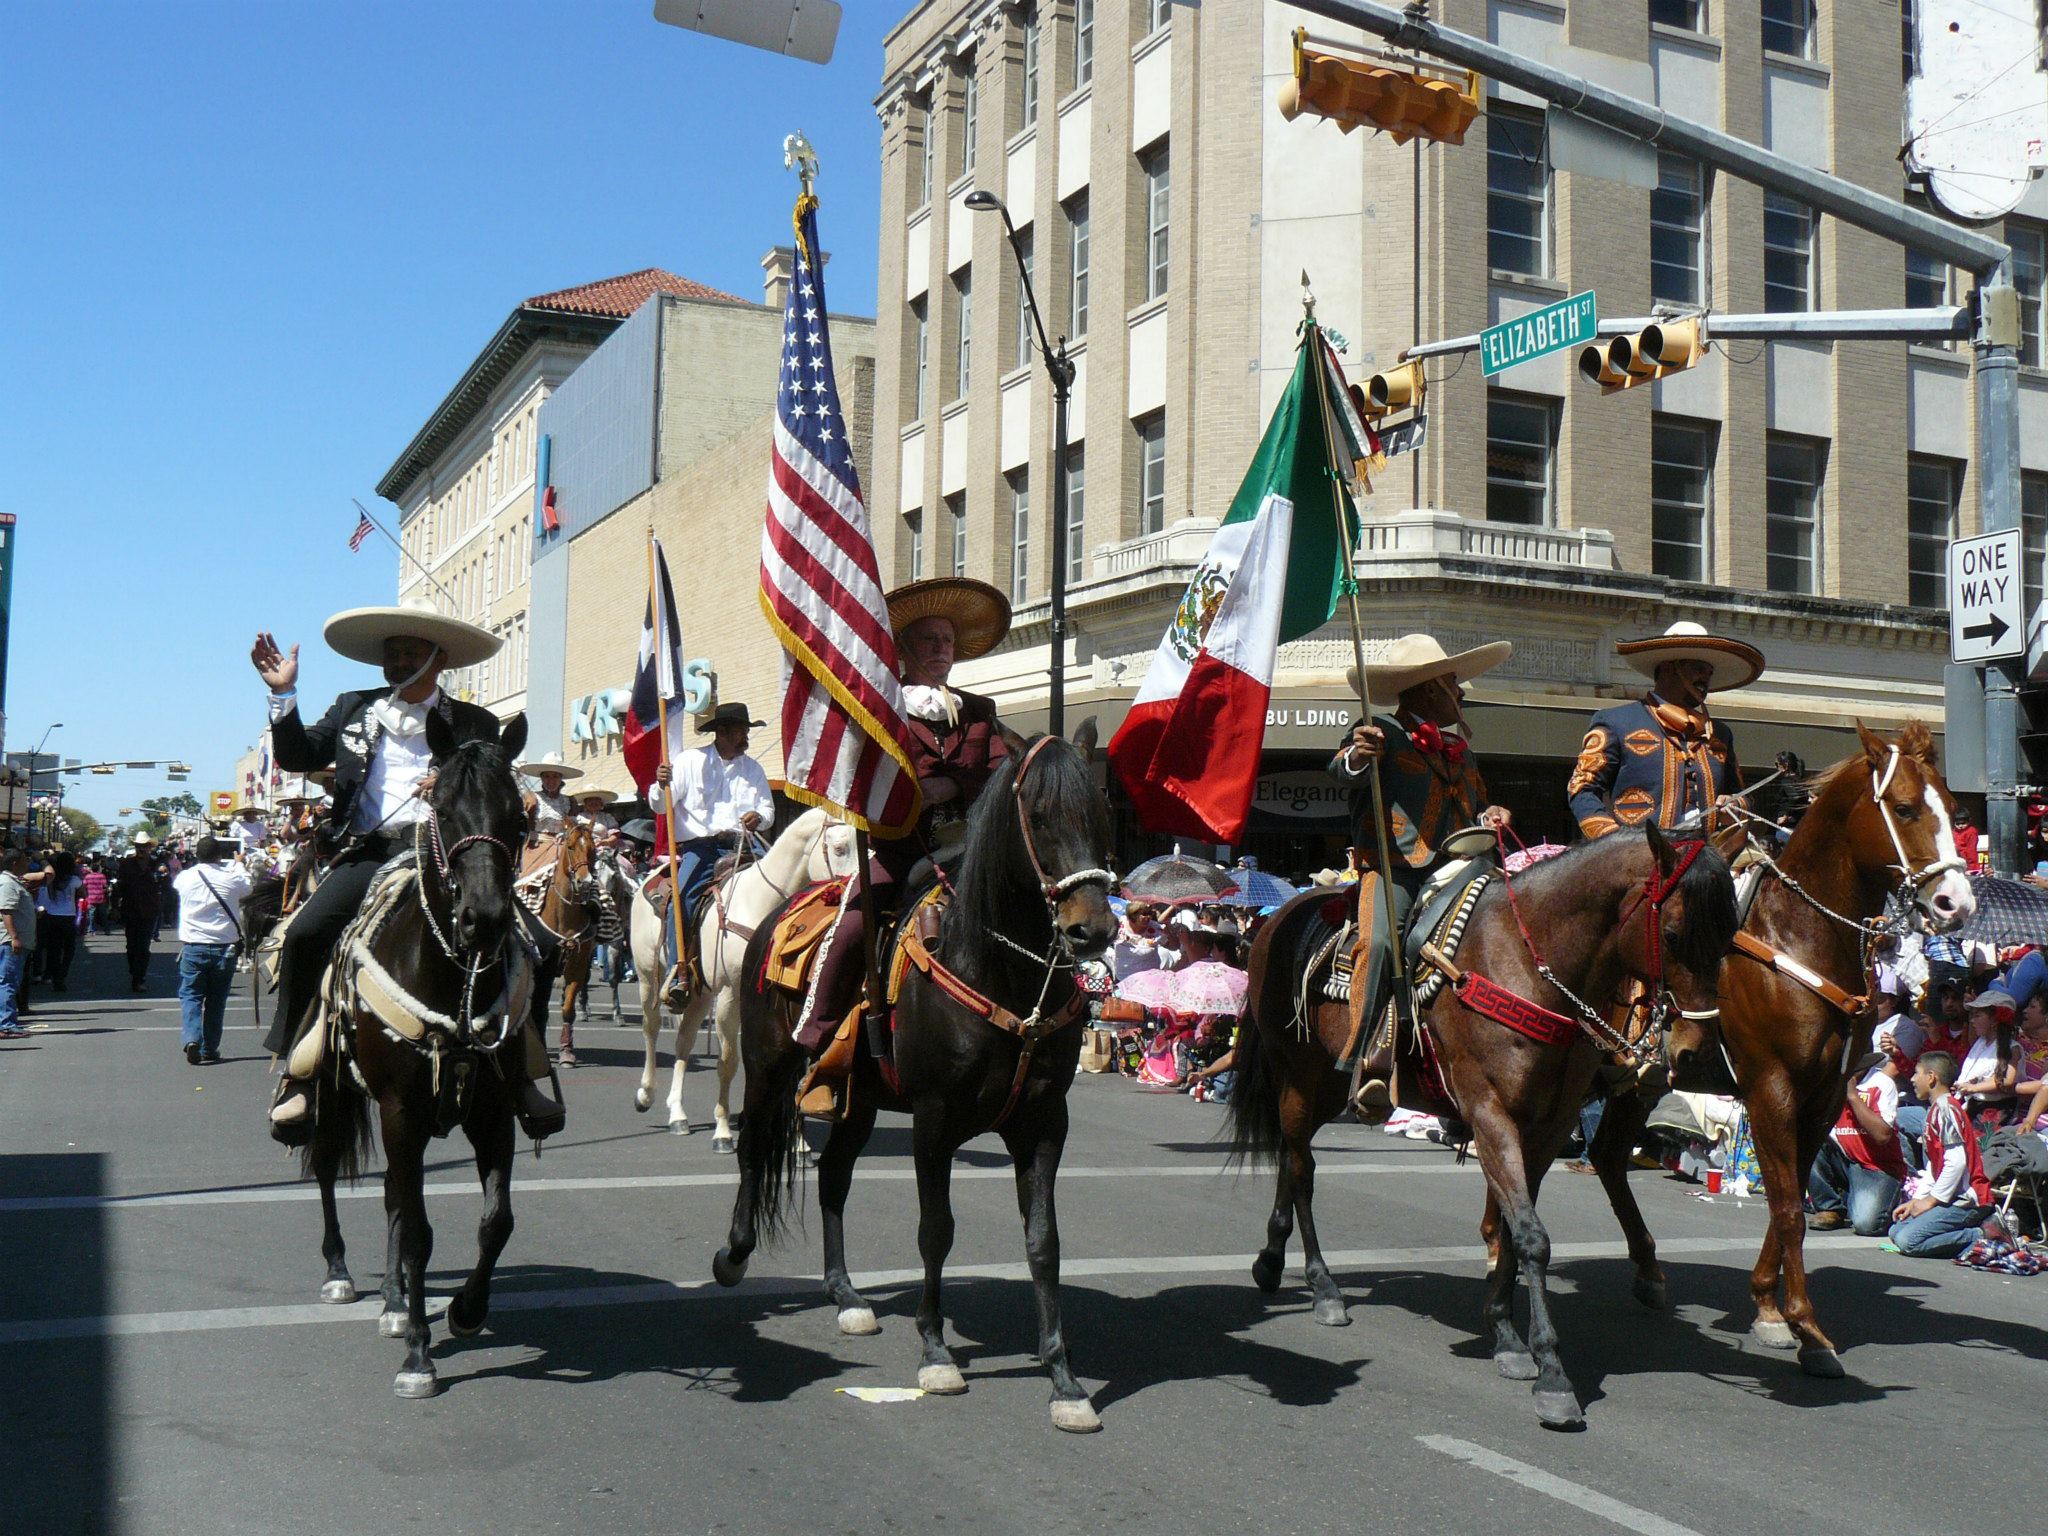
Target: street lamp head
[(981, 200)]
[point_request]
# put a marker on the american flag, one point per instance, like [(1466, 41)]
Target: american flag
[(364, 528), (821, 589)]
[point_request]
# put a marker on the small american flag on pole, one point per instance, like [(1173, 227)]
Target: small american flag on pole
[(364, 528), (821, 589)]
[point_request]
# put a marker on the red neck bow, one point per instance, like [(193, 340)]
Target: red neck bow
[(1432, 742)]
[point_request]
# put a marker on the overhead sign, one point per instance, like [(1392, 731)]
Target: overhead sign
[(1567, 323), (1976, 103), (1986, 621)]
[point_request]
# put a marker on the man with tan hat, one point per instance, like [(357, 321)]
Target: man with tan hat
[(1430, 781), (1662, 755), (375, 740), (549, 806)]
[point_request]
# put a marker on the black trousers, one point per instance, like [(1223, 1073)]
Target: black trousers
[(139, 928), (56, 943), (311, 940)]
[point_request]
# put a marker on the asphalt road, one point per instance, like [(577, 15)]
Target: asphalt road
[(168, 1367)]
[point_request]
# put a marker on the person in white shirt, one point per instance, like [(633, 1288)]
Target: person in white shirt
[(590, 810), (250, 832), (548, 807), (1989, 1071), (715, 797), (1137, 946), (210, 894)]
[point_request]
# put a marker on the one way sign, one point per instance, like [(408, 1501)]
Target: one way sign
[(1985, 597)]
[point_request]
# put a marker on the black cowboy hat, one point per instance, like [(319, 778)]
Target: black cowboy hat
[(728, 714)]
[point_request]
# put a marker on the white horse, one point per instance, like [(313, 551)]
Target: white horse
[(814, 847)]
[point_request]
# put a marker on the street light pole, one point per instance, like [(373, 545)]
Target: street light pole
[(1060, 367), (33, 758)]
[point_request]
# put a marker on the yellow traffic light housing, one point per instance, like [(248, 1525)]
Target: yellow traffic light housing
[(1406, 98), (1399, 389), (1666, 347)]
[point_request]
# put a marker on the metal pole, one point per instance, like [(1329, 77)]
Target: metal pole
[(1056, 691), (1998, 462), (1950, 322)]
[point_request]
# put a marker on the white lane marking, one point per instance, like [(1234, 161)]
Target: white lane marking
[(1565, 1491), (132, 1324), (373, 1186)]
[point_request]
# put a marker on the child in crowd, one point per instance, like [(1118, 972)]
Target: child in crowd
[(1949, 1203), (1860, 1170)]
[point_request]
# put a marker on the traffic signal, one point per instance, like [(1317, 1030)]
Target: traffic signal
[(1406, 98), (1398, 389), (1623, 362)]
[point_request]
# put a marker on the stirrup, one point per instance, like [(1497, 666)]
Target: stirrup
[(297, 1129), (1372, 1101), (675, 988), (539, 1115)]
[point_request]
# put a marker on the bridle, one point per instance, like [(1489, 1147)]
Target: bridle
[(443, 859), (1915, 881), (1053, 891)]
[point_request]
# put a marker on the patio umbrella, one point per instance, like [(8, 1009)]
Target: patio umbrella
[(1252, 887), (2008, 912), (1208, 986), (1148, 989), (1177, 877)]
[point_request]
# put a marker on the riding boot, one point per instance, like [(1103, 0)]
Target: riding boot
[(540, 1112), (840, 971)]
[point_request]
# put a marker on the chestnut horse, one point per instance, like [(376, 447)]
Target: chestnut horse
[(1632, 905), (569, 911), (1881, 825)]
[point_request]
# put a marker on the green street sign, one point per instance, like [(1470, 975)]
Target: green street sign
[(1552, 328)]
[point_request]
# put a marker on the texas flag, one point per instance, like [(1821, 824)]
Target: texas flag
[(658, 678), (1188, 752)]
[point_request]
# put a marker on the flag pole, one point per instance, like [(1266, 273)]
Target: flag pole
[(1379, 803), (425, 574), (668, 798)]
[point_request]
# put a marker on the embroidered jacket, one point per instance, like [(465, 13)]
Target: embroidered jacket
[(1431, 790), (968, 753), (345, 738), (1648, 758)]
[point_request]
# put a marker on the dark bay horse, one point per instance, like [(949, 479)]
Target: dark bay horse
[(1881, 824), (452, 952), (1631, 905), (1031, 897)]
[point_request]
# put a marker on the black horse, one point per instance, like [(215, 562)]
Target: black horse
[(1032, 897), (453, 945)]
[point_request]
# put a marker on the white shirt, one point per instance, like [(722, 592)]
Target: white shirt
[(549, 811), (711, 794), (1131, 955), (251, 834), (205, 917), (1980, 1061), (1886, 1089), (389, 798)]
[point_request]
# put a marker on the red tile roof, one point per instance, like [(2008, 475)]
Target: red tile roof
[(621, 296)]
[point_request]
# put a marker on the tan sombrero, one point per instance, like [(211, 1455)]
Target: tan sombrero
[(1416, 659), (980, 613), (550, 762), (1735, 664), (360, 633)]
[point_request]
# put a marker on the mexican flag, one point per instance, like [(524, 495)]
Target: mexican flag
[(1188, 752)]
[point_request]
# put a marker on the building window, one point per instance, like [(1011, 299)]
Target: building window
[(970, 119), (1020, 535), (1155, 222), (1788, 27), (1077, 308), (1909, 62), (1520, 434), (1152, 473), (956, 509), (924, 336), (1030, 91), (1157, 14), (914, 521), (1681, 470), (1793, 467), (2033, 538), (1678, 230), (1517, 193), (1077, 487), (963, 306), (1024, 331), (927, 148), (2029, 268), (1788, 255), (1930, 284), (1084, 42), (1933, 486), (1689, 14)]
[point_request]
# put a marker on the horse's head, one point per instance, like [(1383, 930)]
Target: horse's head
[(576, 862), (1041, 823), (476, 820), (832, 850), (1892, 810), (1675, 939)]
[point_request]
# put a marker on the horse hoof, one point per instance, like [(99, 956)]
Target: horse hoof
[(1773, 1335), (338, 1292), (1559, 1410), (858, 1322), (725, 1141), (1329, 1311), (1820, 1361), (679, 1127), (391, 1324), (1652, 1294), (1515, 1366), (1075, 1415), (461, 1326), (416, 1384), (941, 1380), (642, 1100), (725, 1270), (1266, 1273)]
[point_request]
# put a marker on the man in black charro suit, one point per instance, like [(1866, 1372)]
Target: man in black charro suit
[(375, 740)]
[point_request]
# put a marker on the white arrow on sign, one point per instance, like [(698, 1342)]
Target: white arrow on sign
[(1986, 597)]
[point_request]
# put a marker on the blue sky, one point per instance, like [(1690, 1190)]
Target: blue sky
[(250, 246)]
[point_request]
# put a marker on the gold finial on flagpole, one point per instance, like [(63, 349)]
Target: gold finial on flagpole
[(798, 156)]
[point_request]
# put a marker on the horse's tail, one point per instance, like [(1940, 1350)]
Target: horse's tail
[(341, 1130), (771, 1140), (1254, 1104)]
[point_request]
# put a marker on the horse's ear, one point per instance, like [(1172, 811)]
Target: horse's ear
[(1731, 839), (1085, 736), (1016, 744), (440, 738), (512, 737), (1917, 741), (1875, 747), (1660, 847)]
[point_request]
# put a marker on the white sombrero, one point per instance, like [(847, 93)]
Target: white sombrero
[(550, 762), (578, 796), (1735, 664), (360, 633), (1416, 659)]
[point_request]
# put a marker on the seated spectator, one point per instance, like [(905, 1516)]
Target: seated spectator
[(1950, 1202), (2031, 1091), (1195, 941), (1137, 941), (1987, 1076), (1897, 1030), (1860, 1170)]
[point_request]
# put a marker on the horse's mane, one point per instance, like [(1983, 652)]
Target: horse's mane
[(1915, 741), (473, 770), (1705, 892), (993, 865)]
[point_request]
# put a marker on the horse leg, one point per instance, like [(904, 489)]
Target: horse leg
[(1511, 1355), (725, 1019), (493, 1142), (1329, 1300), (650, 1030), (391, 1321), (1272, 1260), (1817, 1355), (934, 1160), (1036, 1154), (340, 1286), (1507, 1175), (405, 1173), (688, 1028), (1613, 1145), (1769, 1105), (835, 1178)]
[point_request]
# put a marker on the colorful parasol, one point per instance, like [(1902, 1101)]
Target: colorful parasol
[(1209, 986), (1176, 877)]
